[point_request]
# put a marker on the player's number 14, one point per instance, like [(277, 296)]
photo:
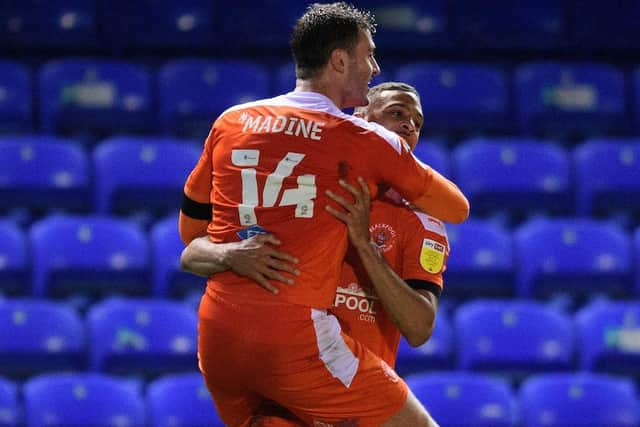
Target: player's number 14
[(302, 197)]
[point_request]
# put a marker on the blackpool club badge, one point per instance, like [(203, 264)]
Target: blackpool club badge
[(432, 256)]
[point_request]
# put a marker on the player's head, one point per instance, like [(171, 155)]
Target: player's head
[(397, 107), (334, 41)]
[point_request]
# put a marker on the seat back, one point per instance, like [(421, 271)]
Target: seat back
[(181, 399), (464, 399), (142, 174), (82, 399), (580, 256), (90, 254), (40, 335), (143, 336), (16, 107), (578, 399), (515, 337), (99, 96)]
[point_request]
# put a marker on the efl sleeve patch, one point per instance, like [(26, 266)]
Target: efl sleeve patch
[(432, 256)]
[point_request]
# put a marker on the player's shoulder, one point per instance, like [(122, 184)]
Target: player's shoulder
[(376, 131), (426, 222), (275, 101)]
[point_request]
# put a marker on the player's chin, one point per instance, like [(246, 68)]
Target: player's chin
[(412, 141)]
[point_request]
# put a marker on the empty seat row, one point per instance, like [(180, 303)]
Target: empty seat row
[(146, 337), (403, 25), (516, 338), (519, 177), (93, 256), (86, 399), (120, 174), (465, 399), (64, 255), (122, 335), (104, 95), (453, 398)]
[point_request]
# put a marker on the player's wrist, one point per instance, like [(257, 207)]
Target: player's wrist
[(367, 245)]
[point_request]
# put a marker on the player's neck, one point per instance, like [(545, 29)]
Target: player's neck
[(322, 87)]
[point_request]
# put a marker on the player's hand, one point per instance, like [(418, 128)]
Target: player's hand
[(257, 259), (355, 214)]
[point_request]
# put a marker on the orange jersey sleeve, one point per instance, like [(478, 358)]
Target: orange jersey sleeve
[(196, 210), (392, 162), (425, 248)]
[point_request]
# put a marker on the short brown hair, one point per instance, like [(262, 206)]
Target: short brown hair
[(324, 28)]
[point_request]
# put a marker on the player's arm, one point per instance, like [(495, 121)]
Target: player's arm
[(255, 258), (196, 211), (443, 200), (413, 311), (420, 184)]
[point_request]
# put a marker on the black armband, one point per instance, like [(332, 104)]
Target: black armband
[(424, 285), (194, 209)]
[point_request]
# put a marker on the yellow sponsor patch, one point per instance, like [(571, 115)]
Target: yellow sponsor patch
[(432, 256)]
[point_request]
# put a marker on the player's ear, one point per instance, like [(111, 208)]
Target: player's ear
[(338, 60)]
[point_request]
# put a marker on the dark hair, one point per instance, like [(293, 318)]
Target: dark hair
[(376, 90), (324, 28)]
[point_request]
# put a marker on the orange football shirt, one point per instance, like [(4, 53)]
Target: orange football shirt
[(267, 164)]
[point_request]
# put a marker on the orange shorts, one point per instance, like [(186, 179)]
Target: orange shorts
[(295, 356)]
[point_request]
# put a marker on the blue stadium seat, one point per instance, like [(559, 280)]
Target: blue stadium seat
[(578, 399), (181, 400), (43, 173), (514, 337), (516, 176), (83, 399), (636, 250), (88, 255), (39, 335), (16, 106), (529, 24), (94, 96), (142, 336), (464, 399), (9, 406), (607, 176), (14, 267), (250, 24), (569, 98), (409, 24), (166, 246), (433, 154), (435, 354), (590, 19), (159, 24), (459, 97), (608, 333), (481, 261), (61, 24), (194, 92), (635, 90), (575, 256), (145, 174), (284, 78)]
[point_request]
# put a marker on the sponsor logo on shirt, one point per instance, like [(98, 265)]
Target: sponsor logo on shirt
[(432, 256), (383, 235), (249, 232), (354, 298)]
